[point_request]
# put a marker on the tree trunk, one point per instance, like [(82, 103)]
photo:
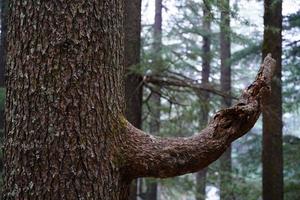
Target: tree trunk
[(133, 81), (66, 134), (2, 40), (151, 193), (64, 99), (272, 158), (3, 8), (225, 160), (204, 96)]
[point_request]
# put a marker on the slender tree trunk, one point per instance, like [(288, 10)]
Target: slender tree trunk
[(133, 81), (152, 184), (66, 134), (272, 158), (225, 160), (204, 96)]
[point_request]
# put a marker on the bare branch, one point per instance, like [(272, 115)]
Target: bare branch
[(148, 156), (187, 83)]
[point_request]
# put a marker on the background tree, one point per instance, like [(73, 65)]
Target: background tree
[(155, 101), (204, 96), (225, 51), (133, 81), (272, 115)]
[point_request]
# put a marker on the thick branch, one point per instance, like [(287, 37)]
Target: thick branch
[(149, 156)]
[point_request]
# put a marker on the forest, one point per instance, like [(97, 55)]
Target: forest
[(150, 99)]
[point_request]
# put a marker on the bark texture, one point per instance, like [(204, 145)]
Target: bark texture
[(66, 134), (3, 6), (272, 157), (133, 81), (225, 51), (204, 96), (64, 99)]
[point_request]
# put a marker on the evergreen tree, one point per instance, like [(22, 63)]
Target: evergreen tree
[(272, 158)]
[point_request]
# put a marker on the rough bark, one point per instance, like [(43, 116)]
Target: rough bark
[(204, 96), (3, 8), (151, 193), (66, 134), (272, 157), (133, 81), (225, 160), (2, 40), (64, 96)]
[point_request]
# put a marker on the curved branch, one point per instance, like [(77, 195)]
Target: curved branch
[(149, 156)]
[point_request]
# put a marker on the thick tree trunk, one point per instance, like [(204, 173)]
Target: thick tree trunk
[(151, 193), (272, 158), (225, 160), (66, 134), (64, 99), (133, 81), (2, 40), (204, 96), (3, 7)]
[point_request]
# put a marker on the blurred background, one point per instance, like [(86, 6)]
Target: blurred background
[(182, 51)]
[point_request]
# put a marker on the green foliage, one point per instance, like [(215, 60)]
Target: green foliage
[(293, 21), (291, 146), (291, 62)]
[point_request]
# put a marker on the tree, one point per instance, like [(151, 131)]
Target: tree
[(225, 160), (204, 96), (272, 158), (66, 134), (3, 7), (151, 193), (133, 81)]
